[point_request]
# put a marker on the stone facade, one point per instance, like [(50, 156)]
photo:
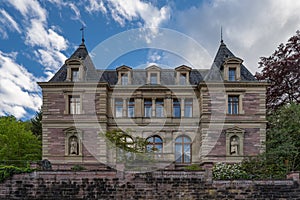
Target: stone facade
[(194, 116)]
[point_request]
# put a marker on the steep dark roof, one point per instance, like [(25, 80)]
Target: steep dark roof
[(139, 76), (215, 72), (81, 53)]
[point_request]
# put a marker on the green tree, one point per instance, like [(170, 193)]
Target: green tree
[(282, 145), (36, 124), (283, 137), (129, 149), (17, 142), (125, 141)]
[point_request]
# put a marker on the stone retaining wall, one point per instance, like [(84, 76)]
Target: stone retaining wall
[(59, 185)]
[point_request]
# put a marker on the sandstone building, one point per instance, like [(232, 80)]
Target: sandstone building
[(188, 115)]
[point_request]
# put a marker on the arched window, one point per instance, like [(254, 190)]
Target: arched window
[(123, 151), (183, 149), (155, 144), (126, 141)]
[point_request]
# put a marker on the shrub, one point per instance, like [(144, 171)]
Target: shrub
[(77, 168), (263, 168), (9, 171), (193, 167), (223, 171)]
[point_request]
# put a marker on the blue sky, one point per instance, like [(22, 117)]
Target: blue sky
[(37, 36)]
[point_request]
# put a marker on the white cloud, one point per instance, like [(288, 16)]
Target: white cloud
[(3, 32), (50, 59), (18, 88), (123, 11), (7, 21), (39, 35), (154, 56), (96, 5), (30, 9), (251, 28)]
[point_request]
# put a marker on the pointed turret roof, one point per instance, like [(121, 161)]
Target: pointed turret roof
[(215, 72), (81, 53)]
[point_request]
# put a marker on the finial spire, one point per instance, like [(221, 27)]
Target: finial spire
[(221, 35), (82, 33)]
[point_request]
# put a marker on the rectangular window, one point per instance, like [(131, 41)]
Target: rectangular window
[(159, 106), (176, 108), (147, 107), (124, 79), (182, 79), (74, 104), (75, 74), (153, 78), (188, 107), (118, 107), (231, 74), (233, 105), (130, 110)]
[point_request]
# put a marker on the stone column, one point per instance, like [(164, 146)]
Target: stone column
[(124, 113), (182, 107), (168, 105), (138, 105), (153, 107)]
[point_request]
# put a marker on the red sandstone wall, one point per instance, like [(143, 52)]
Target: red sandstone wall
[(156, 185)]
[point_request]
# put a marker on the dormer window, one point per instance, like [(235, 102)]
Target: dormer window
[(182, 80), (153, 75), (182, 75), (124, 78), (124, 75), (232, 69), (74, 74), (232, 74), (153, 78), (75, 70)]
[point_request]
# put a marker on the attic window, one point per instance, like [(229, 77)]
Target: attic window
[(153, 78), (182, 75), (153, 75), (75, 70), (183, 78), (232, 69), (124, 78), (232, 74), (75, 74), (124, 75)]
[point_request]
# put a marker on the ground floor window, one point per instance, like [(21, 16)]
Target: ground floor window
[(183, 149), (155, 144)]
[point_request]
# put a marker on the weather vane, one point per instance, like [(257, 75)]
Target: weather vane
[(82, 33)]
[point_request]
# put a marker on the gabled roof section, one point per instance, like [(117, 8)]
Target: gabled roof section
[(223, 54), (124, 68), (153, 67), (183, 68)]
